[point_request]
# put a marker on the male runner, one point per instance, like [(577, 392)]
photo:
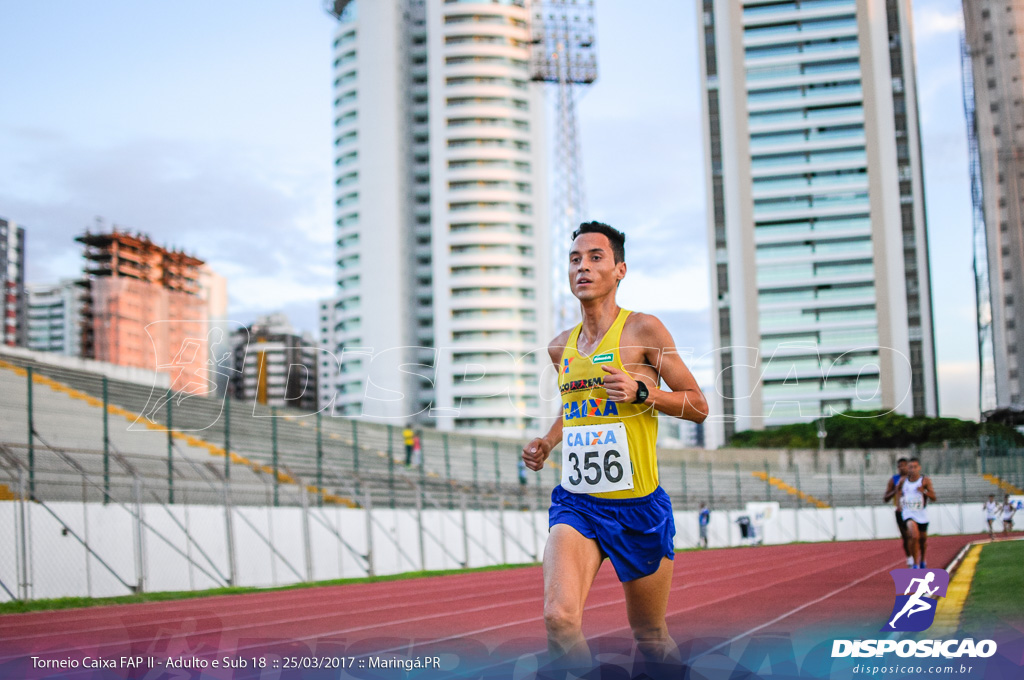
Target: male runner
[(991, 509), (609, 503), (890, 493), (913, 494), (1009, 510)]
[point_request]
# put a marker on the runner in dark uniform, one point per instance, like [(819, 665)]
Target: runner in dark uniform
[(890, 495)]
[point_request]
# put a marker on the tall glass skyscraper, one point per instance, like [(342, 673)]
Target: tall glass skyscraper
[(995, 106), (441, 216), (817, 229)]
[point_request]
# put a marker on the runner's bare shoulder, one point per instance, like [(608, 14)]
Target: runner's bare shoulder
[(557, 346), (643, 326)]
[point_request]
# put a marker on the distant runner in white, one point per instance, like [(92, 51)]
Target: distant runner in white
[(1009, 510), (991, 514), (915, 604)]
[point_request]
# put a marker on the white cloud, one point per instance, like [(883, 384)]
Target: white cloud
[(270, 293), (685, 289), (929, 23)]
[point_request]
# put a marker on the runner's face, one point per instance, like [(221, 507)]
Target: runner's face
[(913, 471), (593, 272)]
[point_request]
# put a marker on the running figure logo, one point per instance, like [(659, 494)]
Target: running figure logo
[(914, 610)]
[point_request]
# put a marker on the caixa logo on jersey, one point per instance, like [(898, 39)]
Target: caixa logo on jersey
[(917, 593), (588, 408)]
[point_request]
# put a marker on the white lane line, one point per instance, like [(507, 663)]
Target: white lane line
[(301, 597), (508, 624), (191, 612), (674, 613), (887, 568)]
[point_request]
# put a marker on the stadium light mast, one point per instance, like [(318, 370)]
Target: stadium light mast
[(563, 54)]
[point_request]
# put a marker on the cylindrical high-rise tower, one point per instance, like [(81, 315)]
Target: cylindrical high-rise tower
[(440, 216)]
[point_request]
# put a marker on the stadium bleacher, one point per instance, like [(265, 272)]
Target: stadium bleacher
[(351, 463)]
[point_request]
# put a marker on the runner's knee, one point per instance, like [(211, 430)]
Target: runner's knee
[(560, 619), (652, 641)]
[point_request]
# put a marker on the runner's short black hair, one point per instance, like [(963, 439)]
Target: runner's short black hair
[(616, 237), (915, 460), (901, 460)]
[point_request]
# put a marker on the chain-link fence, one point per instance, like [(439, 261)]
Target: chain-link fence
[(184, 481)]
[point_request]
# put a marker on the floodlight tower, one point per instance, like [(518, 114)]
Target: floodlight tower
[(564, 54)]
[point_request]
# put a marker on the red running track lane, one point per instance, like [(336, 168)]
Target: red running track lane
[(726, 592)]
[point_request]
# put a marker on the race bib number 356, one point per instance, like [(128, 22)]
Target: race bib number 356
[(595, 459)]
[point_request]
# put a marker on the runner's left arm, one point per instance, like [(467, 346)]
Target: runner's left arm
[(685, 400), (927, 489)]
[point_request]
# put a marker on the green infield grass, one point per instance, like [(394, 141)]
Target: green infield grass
[(997, 591)]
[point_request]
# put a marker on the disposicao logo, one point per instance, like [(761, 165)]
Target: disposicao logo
[(605, 358), (914, 610), (917, 593)]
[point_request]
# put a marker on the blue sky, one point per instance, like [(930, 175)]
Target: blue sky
[(208, 126)]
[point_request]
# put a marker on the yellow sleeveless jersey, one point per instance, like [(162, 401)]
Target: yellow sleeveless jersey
[(585, 402)]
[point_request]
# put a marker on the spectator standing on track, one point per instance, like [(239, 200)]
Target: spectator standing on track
[(890, 494), (991, 509), (703, 519)]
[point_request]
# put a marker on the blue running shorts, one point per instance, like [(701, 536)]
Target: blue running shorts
[(634, 533)]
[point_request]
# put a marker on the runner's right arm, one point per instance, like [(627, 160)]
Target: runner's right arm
[(890, 491), (537, 451)]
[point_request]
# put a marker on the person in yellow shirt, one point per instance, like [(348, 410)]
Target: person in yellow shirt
[(410, 438), (609, 502)]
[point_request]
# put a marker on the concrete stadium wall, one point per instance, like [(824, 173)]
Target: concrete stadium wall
[(139, 376), (186, 547), (873, 461), (815, 525)]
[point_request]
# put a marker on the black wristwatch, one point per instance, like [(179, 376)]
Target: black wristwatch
[(641, 392)]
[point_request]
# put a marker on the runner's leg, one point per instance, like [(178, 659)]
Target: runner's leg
[(912, 538), (571, 562), (646, 603), (922, 541)]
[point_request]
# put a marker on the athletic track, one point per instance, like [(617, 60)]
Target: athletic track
[(723, 594)]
